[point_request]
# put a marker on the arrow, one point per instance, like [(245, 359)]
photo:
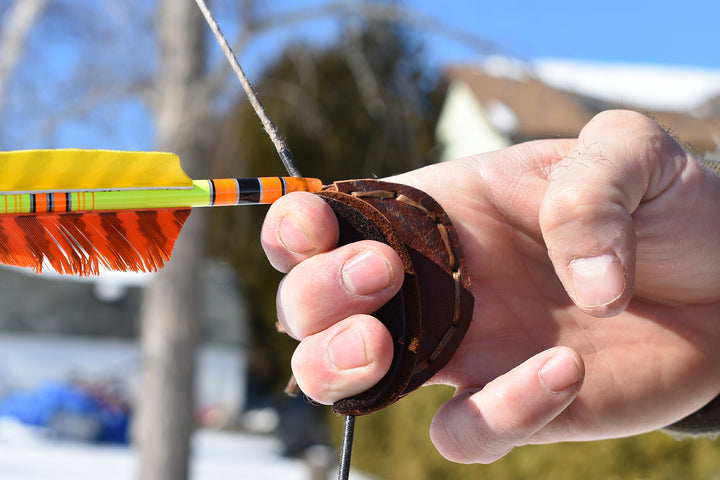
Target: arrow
[(77, 210)]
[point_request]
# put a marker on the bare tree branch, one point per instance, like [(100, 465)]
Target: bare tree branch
[(254, 23), (301, 101), (363, 74), (15, 31), (378, 11), (304, 63)]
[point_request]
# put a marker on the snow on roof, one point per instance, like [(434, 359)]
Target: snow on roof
[(652, 87)]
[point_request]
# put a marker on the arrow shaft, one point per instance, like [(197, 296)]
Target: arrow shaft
[(202, 193)]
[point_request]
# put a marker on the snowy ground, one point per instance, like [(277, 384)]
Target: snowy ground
[(218, 456), (28, 360), (25, 454)]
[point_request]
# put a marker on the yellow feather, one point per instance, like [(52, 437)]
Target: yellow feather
[(77, 169)]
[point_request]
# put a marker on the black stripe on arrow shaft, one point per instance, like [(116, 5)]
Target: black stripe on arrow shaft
[(212, 192), (249, 190)]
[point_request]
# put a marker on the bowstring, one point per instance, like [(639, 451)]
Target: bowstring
[(346, 449), (270, 127), (292, 169)]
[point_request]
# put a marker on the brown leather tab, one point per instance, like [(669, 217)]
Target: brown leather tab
[(430, 315)]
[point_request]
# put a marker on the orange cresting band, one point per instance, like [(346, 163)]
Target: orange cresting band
[(238, 191)]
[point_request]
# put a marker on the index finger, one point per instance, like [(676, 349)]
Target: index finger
[(296, 227)]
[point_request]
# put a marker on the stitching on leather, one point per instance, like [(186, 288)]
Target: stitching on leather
[(383, 194), (446, 240), (454, 267), (409, 201)]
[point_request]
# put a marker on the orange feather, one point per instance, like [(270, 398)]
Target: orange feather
[(79, 244)]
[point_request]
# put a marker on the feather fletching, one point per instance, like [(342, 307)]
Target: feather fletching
[(79, 244), (76, 169), (79, 210)]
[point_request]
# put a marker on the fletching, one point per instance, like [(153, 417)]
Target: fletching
[(76, 169), (79, 210), (78, 244)]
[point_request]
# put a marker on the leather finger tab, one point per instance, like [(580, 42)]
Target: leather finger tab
[(359, 221), (430, 315)]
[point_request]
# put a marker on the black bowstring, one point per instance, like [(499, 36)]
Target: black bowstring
[(346, 450), (292, 169)]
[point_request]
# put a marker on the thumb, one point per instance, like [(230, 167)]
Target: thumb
[(525, 403), (586, 214)]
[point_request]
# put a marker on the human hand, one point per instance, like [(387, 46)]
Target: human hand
[(596, 280)]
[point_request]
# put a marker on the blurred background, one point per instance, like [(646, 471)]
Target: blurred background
[(180, 374)]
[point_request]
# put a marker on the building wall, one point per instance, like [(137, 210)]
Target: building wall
[(463, 127)]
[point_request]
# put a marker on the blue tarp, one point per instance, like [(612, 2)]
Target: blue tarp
[(69, 411)]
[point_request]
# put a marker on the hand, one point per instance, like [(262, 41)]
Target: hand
[(596, 277)]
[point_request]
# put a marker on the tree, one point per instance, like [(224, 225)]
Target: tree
[(17, 24), (169, 316)]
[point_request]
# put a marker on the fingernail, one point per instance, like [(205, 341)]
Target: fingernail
[(293, 237), (346, 350), (597, 281), (366, 273), (559, 373)]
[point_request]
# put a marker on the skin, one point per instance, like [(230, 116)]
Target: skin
[(596, 280)]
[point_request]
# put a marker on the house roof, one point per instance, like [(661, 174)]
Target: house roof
[(543, 111), (540, 111)]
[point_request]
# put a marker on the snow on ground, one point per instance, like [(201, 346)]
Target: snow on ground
[(218, 456), (27, 360), (33, 454)]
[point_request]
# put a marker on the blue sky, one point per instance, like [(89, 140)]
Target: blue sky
[(661, 32), (664, 32)]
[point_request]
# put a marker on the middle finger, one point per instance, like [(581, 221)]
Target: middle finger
[(355, 278)]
